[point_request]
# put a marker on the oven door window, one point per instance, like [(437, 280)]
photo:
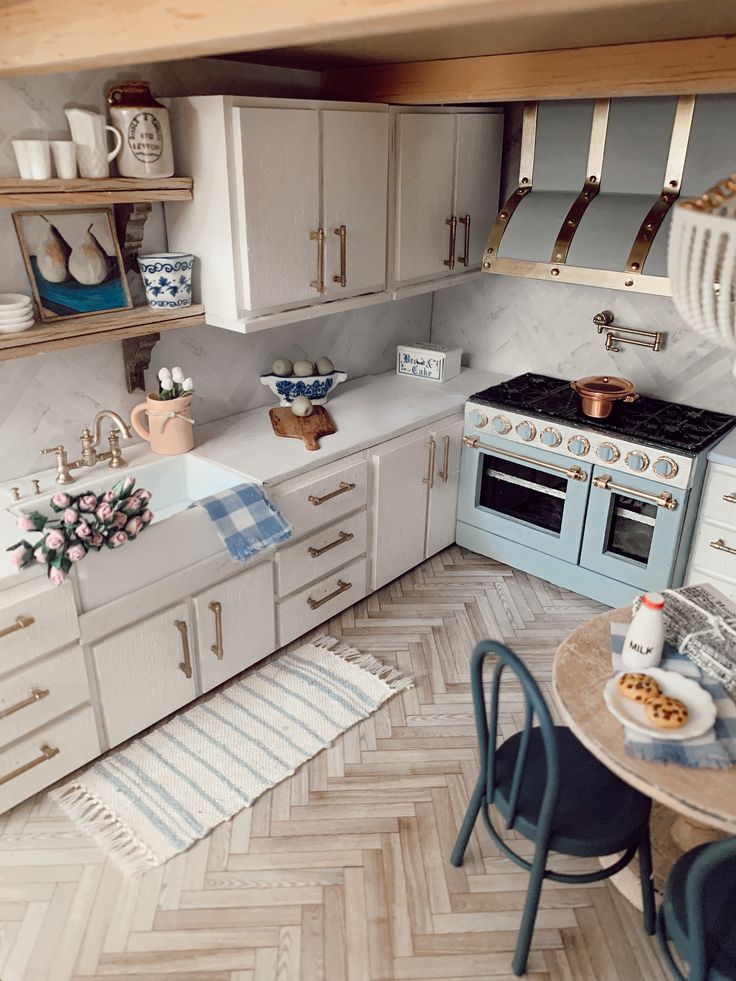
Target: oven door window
[(523, 493), (631, 528)]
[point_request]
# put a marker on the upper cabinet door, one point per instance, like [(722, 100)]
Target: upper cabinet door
[(424, 183), (478, 174), (279, 201), (355, 194)]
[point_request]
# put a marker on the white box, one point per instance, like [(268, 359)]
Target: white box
[(431, 361)]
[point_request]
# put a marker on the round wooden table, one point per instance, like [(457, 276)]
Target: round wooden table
[(704, 800)]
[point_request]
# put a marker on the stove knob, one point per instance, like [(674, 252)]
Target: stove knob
[(551, 436), (526, 430), (636, 460), (501, 425), (608, 453), (578, 445), (477, 418), (665, 466)]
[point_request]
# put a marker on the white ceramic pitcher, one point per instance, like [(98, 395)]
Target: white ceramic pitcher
[(89, 132)]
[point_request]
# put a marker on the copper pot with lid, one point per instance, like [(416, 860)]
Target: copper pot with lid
[(599, 392)]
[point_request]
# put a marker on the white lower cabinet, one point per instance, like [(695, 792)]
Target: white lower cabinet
[(235, 624), (442, 509), (145, 672)]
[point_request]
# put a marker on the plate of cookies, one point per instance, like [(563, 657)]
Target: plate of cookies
[(662, 704)]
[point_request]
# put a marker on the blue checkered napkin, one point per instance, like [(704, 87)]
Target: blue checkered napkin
[(716, 748), (246, 521)]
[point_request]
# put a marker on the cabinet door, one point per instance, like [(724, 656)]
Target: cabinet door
[(424, 182), (400, 470), (235, 624), (278, 194), (442, 512), (477, 182), (355, 192), (142, 672)]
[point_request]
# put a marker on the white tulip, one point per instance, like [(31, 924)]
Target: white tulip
[(167, 384), (188, 384), (178, 375), (164, 373)]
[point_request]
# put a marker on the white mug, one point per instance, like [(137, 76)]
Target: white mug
[(33, 158), (65, 158)]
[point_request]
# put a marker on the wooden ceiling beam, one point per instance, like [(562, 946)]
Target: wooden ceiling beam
[(687, 66)]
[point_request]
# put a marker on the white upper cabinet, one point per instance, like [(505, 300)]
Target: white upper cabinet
[(477, 182)]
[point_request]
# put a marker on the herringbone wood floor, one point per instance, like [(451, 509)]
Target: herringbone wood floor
[(340, 872)]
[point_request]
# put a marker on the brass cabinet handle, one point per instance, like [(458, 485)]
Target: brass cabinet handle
[(429, 479), (465, 257), (318, 236), (216, 648), (345, 536), (721, 546), (342, 489), (36, 695), (47, 753), (20, 623), (663, 500), (342, 586), (574, 473), (444, 473), (342, 279), (729, 498), (186, 664), (450, 260)]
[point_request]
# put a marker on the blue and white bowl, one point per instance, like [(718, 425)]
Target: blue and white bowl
[(315, 387), (167, 277)]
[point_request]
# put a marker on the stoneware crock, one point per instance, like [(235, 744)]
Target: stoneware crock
[(170, 426), (599, 392)]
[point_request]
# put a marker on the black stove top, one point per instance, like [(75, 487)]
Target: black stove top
[(680, 428)]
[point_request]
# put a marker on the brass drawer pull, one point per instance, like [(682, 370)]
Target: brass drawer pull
[(342, 489), (465, 257), (342, 279), (342, 586), (574, 473), (36, 695), (663, 500), (720, 546), (429, 479), (445, 471), (729, 498), (216, 648), (21, 623), (186, 664), (450, 260), (318, 236), (345, 536), (47, 753)]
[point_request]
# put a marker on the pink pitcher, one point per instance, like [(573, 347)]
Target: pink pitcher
[(170, 425)]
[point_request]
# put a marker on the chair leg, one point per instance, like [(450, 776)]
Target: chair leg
[(471, 815), (647, 884), (529, 916)]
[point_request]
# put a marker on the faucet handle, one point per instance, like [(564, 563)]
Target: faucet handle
[(54, 449)]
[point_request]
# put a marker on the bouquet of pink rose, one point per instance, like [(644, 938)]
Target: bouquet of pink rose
[(85, 522)]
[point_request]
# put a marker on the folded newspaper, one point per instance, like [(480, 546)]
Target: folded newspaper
[(701, 622)]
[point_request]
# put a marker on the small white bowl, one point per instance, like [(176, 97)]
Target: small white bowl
[(12, 315), (17, 327), (17, 302)]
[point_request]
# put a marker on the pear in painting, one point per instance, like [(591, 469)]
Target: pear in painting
[(88, 262), (52, 254)]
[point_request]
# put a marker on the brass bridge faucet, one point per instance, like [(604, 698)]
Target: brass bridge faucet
[(90, 442)]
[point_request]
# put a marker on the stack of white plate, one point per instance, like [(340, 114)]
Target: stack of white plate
[(16, 313)]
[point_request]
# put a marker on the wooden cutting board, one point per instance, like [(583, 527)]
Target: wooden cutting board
[(308, 428)]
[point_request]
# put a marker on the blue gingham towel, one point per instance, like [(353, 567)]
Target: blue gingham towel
[(246, 521), (716, 748)]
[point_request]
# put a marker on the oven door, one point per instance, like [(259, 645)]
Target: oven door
[(633, 529), (524, 494)]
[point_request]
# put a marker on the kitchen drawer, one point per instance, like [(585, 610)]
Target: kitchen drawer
[(330, 548), (46, 756), (297, 615), (714, 507), (326, 495), (35, 620), (44, 690), (717, 560)]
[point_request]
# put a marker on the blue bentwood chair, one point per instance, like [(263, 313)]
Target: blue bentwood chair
[(698, 911), (551, 790)]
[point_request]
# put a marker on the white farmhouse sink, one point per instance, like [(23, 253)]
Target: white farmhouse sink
[(177, 538)]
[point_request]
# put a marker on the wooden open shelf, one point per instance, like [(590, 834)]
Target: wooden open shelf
[(16, 192), (98, 329)]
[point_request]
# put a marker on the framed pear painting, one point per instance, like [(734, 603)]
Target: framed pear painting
[(73, 261)]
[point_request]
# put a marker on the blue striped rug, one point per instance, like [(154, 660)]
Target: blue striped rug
[(150, 800)]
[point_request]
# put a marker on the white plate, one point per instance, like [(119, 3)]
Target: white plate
[(17, 327), (700, 706), (14, 301)]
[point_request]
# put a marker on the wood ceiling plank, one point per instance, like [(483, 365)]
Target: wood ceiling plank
[(656, 68)]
